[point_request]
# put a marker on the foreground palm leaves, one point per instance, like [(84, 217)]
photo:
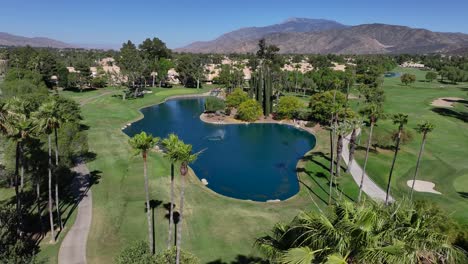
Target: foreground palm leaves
[(363, 233)]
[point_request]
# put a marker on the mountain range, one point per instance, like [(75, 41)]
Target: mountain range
[(303, 35), (7, 39)]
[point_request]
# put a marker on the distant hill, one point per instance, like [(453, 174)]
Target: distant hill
[(238, 40), (324, 36), (7, 39)]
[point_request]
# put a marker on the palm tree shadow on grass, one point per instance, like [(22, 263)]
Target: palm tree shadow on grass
[(463, 116), (463, 194), (175, 218), (311, 158)]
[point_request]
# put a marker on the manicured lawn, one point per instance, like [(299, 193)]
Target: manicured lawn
[(215, 227), (445, 157)]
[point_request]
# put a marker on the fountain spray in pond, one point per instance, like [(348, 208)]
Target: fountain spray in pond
[(217, 135)]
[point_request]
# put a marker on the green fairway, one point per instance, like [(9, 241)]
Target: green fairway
[(215, 227), (445, 156)]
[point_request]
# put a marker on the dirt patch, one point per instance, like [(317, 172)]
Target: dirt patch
[(423, 186), (446, 101)]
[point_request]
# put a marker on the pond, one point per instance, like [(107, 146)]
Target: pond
[(252, 162), (392, 74)]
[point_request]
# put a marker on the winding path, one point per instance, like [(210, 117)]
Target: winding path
[(369, 187), (73, 247)]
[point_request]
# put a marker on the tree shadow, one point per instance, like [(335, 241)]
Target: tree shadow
[(77, 90), (242, 259), (463, 194), (451, 113), (175, 218)]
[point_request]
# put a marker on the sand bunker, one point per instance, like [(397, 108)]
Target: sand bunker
[(423, 186), (446, 101)]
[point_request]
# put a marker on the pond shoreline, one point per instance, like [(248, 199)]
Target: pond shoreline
[(228, 120)]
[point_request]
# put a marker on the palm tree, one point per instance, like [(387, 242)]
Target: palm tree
[(400, 120), (333, 119), (341, 130), (45, 124), (183, 154), (373, 112), (142, 143), (362, 233), (355, 125), (424, 128), (170, 144), (18, 127)]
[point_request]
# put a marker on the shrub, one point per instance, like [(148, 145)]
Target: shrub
[(236, 98), (302, 114), (249, 110), (288, 106), (138, 253), (406, 136), (99, 82), (213, 104), (408, 78)]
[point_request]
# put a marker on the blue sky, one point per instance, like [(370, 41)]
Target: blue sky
[(179, 22)]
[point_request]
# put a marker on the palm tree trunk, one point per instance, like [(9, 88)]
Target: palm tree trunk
[(352, 149), (38, 200), (17, 191), (393, 165), (179, 229), (51, 217), (56, 181), (339, 150), (171, 210), (332, 161), (148, 211), (417, 165), (369, 140), (21, 168)]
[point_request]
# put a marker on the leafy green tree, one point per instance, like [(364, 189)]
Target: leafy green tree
[(249, 111), (322, 105), (373, 112), (237, 97), (431, 76), (164, 65), (213, 104), (141, 143), (424, 128), (401, 120), (363, 233), (131, 63), (288, 106), (408, 78), (137, 253)]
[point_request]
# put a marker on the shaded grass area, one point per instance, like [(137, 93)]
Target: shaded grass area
[(444, 161), (216, 228)]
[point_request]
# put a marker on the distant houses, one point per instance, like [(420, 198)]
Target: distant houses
[(410, 64)]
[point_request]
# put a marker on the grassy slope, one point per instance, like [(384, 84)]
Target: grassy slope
[(215, 227), (444, 161)]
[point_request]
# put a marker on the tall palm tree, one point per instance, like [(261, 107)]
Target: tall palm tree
[(333, 119), (141, 143), (355, 124), (373, 112), (424, 128), (341, 130), (45, 124), (19, 128), (170, 144), (185, 156), (400, 120)]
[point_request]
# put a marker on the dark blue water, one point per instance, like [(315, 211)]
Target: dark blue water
[(255, 161)]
